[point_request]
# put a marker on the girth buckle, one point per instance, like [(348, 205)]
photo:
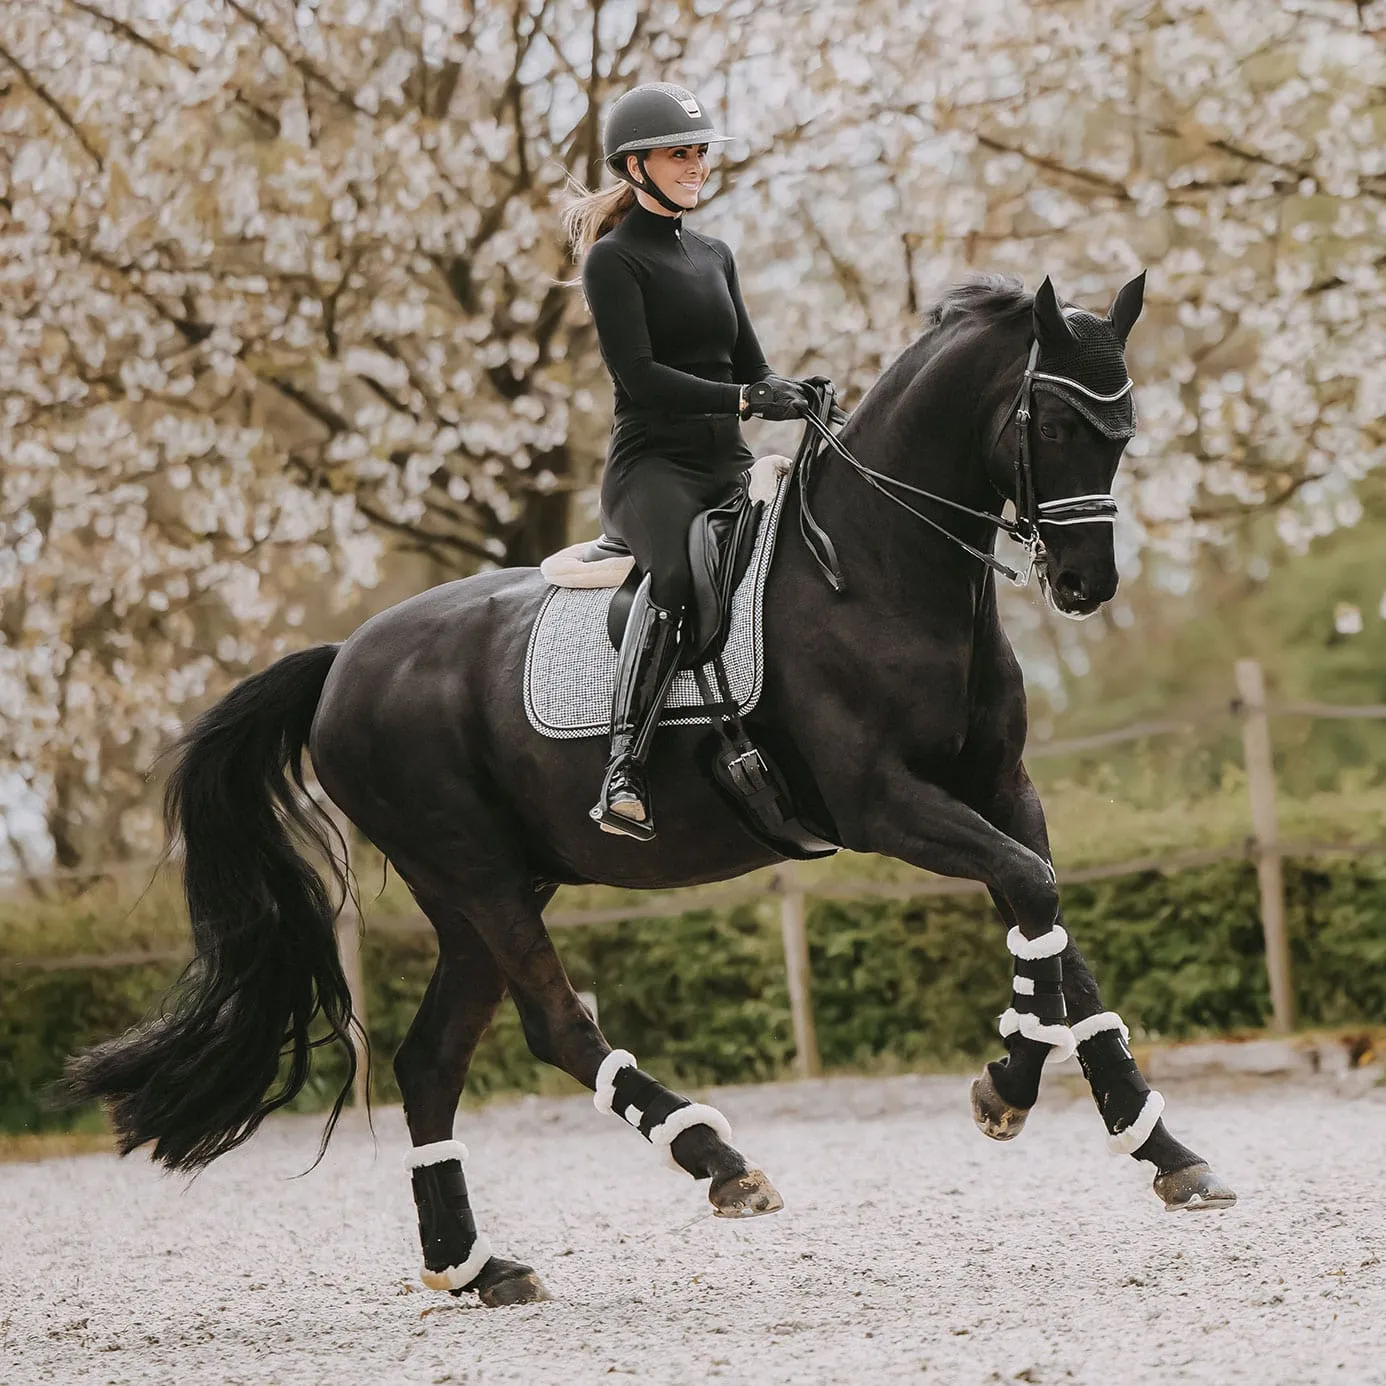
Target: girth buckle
[(748, 771)]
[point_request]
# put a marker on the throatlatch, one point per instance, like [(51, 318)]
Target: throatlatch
[(646, 1104), (1130, 1107), (1037, 1008), (454, 1251)]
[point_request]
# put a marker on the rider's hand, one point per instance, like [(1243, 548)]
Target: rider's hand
[(818, 385), (777, 398)]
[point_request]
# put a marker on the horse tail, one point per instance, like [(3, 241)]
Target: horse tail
[(236, 1037)]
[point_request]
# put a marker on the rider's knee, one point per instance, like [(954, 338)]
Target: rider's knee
[(671, 585)]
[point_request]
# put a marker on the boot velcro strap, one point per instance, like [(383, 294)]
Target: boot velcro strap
[(1046, 974), (643, 1101), (1048, 1006)]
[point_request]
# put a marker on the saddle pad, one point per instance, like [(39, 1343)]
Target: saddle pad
[(570, 667)]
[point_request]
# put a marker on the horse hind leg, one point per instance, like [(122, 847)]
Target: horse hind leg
[(561, 1031), (694, 1137), (431, 1068)]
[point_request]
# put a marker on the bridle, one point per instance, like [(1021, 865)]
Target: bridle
[(1030, 514)]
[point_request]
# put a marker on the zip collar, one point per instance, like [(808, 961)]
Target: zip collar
[(653, 224)]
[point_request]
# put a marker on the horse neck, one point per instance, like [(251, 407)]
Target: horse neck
[(926, 422)]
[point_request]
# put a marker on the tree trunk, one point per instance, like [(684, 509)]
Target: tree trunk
[(542, 530)]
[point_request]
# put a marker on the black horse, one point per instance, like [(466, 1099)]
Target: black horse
[(894, 707)]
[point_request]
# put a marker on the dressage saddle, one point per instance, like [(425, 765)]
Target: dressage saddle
[(720, 544)]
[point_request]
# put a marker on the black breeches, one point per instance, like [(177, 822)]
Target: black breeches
[(660, 475)]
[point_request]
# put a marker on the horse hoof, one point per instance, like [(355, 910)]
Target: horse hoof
[(744, 1196), (995, 1117), (1196, 1187), (503, 1283)]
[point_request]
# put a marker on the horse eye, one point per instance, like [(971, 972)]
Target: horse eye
[(1047, 430)]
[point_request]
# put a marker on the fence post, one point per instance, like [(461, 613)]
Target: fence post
[(1260, 776), (349, 950), (796, 967)]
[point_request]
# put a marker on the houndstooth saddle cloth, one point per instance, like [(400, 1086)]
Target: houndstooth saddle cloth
[(570, 667)]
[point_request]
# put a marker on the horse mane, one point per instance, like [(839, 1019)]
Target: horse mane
[(981, 299), (998, 297)]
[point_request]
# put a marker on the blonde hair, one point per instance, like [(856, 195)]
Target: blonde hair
[(590, 215)]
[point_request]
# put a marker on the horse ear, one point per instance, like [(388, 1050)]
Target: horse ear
[(1051, 327), (1126, 306)]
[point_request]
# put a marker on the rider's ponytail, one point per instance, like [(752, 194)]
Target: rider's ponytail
[(590, 215)]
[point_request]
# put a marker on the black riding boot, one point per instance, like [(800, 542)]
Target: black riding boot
[(645, 668)]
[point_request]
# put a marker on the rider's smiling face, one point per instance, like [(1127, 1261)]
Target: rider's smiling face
[(678, 173)]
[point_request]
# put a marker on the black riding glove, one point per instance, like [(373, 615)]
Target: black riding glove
[(776, 398)]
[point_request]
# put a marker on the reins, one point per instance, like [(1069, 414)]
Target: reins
[(1030, 514)]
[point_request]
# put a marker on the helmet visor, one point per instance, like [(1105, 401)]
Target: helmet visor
[(674, 141)]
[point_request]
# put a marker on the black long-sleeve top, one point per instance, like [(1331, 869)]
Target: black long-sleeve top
[(673, 330)]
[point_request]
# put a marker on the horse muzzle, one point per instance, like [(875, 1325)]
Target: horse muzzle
[(1075, 590)]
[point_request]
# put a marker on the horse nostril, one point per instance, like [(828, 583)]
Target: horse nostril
[(1071, 587)]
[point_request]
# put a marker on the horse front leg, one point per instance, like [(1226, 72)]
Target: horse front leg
[(928, 827), (1130, 1110)]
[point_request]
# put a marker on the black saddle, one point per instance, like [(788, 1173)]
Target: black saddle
[(720, 544)]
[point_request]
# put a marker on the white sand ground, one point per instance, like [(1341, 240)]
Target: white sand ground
[(911, 1249)]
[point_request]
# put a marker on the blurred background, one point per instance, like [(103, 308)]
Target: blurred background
[(284, 337)]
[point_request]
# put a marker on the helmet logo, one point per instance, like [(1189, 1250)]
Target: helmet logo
[(689, 105)]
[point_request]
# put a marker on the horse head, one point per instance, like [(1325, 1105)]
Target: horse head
[(1081, 415)]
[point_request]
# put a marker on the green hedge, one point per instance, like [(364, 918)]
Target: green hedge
[(701, 999)]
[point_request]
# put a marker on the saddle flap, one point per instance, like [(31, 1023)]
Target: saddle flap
[(720, 542)]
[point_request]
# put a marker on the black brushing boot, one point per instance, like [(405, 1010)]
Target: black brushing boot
[(645, 668)]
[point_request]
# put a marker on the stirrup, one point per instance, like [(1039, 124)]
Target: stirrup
[(606, 815)]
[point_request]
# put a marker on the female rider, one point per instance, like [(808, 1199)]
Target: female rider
[(676, 338)]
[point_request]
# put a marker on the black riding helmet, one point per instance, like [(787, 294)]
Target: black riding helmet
[(657, 115)]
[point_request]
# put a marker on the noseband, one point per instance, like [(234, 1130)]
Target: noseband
[(1030, 514)]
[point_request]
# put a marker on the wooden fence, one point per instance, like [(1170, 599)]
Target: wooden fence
[(1263, 846)]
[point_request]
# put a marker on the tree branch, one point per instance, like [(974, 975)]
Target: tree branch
[(1100, 181), (53, 105), (132, 35)]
